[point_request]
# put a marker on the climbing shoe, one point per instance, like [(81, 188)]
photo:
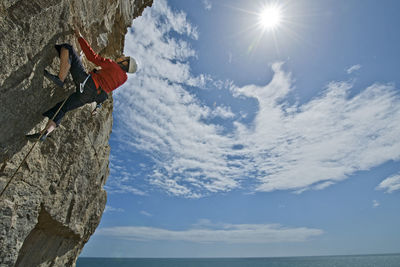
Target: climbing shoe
[(35, 137), (53, 78)]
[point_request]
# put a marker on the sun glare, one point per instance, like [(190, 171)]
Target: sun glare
[(270, 17)]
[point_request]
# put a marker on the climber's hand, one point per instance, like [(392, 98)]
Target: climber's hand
[(77, 33), (94, 112)]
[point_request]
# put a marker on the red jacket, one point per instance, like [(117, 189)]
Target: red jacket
[(111, 76)]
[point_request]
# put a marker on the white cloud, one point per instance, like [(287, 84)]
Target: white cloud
[(224, 233), (207, 4), (111, 209), (286, 147), (322, 185), (121, 177), (118, 188), (375, 203), (222, 112), (328, 138), (145, 213), (160, 118), (390, 184), (353, 68), (317, 186)]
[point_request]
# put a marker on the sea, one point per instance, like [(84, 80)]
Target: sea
[(382, 260)]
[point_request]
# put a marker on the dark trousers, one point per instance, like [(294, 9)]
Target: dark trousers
[(77, 99)]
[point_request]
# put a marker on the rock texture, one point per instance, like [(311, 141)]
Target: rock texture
[(56, 200)]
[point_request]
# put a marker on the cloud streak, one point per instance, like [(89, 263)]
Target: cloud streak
[(227, 233), (390, 184), (324, 140), (112, 209), (286, 146), (207, 4), (353, 69)]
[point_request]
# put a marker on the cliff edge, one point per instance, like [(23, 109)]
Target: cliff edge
[(55, 201)]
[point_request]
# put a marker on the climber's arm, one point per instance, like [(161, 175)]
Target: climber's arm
[(89, 53)]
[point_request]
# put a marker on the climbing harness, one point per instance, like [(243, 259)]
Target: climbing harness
[(82, 85)]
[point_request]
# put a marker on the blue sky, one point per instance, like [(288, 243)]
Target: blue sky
[(236, 141)]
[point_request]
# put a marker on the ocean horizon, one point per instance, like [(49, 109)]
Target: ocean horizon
[(370, 260)]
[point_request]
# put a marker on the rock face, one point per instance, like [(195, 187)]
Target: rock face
[(55, 201)]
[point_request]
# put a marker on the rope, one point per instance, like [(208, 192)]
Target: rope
[(34, 144)]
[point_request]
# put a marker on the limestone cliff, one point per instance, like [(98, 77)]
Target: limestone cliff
[(56, 200)]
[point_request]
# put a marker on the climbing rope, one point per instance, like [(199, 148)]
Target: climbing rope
[(34, 144)]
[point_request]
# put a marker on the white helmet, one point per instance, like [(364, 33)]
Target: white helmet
[(132, 65)]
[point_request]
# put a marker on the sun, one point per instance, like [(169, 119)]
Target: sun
[(270, 17)]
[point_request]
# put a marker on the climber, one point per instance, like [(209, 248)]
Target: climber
[(92, 87)]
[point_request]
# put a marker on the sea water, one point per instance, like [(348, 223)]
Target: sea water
[(384, 260)]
